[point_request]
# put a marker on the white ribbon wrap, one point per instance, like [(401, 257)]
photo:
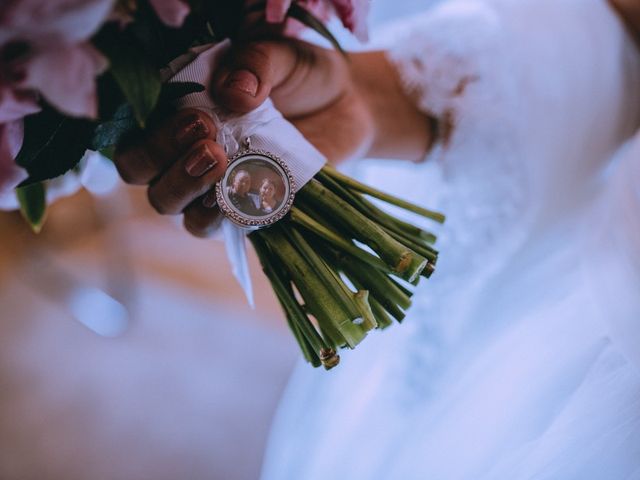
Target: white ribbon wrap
[(268, 131)]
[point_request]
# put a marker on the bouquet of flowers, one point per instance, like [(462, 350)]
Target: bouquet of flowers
[(87, 75)]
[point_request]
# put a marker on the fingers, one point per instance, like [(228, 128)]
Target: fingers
[(300, 78), (201, 219), (245, 80), (276, 10), (140, 160), (189, 178)]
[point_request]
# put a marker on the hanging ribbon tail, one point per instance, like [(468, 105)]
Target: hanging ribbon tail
[(236, 247)]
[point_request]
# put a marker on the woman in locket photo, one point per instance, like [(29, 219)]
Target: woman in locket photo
[(268, 200)]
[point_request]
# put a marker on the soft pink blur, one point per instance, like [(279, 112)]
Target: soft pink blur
[(352, 13), (171, 12), (10, 142), (44, 51)]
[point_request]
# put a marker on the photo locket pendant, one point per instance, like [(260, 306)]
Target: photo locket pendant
[(256, 190)]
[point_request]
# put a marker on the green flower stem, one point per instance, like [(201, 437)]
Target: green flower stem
[(313, 284), (380, 286), (396, 224), (428, 270), (402, 288), (300, 218), (382, 317), (338, 235), (368, 209), (307, 350), (412, 236), (297, 269), (306, 334), (361, 187), (402, 260), (422, 249), (313, 346), (352, 304), (335, 263)]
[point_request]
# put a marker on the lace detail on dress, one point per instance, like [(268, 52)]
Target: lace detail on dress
[(455, 63)]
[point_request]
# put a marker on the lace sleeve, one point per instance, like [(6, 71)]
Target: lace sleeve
[(453, 60), (534, 98), (520, 89)]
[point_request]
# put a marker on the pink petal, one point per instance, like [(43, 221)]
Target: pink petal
[(322, 9), (171, 12), (66, 78), (67, 20), (276, 10), (353, 14), (14, 105), (11, 175)]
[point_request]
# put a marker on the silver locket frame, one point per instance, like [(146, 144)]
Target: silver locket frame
[(250, 157)]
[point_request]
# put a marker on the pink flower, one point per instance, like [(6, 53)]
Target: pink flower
[(43, 50), (352, 13), (42, 21), (171, 12), (15, 105), (66, 78), (10, 142)]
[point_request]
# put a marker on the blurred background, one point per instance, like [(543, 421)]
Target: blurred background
[(127, 350)]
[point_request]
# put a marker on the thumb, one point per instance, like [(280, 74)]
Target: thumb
[(250, 72), (300, 78)]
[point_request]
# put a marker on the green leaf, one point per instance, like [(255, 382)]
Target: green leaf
[(108, 152), (53, 144), (124, 123), (33, 204), (134, 72), (111, 132)]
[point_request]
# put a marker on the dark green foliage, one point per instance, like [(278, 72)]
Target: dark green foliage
[(33, 204), (53, 144)]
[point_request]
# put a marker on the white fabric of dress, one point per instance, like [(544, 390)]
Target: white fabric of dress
[(521, 356)]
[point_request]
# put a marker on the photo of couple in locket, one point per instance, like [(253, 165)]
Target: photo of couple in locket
[(255, 189)]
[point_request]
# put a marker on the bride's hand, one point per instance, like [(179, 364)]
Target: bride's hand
[(179, 161), (347, 109), (313, 88)]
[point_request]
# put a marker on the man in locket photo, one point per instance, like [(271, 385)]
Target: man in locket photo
[(240, 193)]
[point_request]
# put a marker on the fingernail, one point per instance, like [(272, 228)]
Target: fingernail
[(200, 162), (243, 80), (209, 200), (190, 129)]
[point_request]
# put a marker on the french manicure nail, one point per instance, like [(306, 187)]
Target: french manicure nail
[(243, 80), (200, 162), (209, 200), (189, 130)]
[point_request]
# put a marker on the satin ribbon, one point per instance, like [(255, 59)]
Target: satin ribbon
[(265, 125)]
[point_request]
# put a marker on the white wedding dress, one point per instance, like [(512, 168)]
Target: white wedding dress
[(521, 356)]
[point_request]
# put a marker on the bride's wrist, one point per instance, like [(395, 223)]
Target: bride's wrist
[(401, 130)]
